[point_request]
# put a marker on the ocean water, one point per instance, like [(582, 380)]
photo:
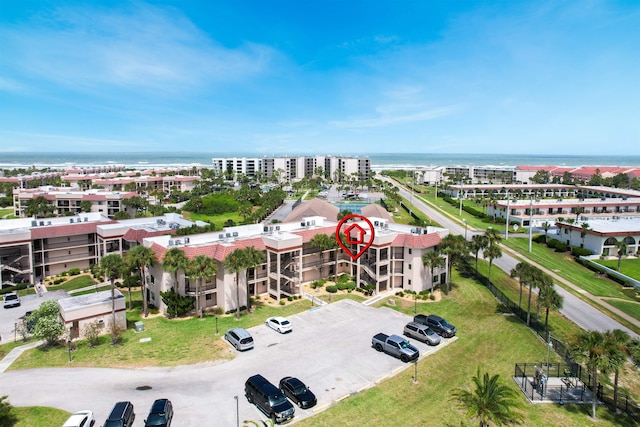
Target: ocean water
[(378, 160)]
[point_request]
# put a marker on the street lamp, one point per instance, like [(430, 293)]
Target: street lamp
[(415, 375), (530, 222), (549, 345), (506, 233), (460, 197), (465, 228), (69, 348), (237, 411)]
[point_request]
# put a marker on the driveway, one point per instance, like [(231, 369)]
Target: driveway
[(329, 349), (9, 317)]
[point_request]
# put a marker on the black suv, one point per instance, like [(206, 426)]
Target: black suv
[(122, 415), (437, 323), (160, 415), (268, 399)]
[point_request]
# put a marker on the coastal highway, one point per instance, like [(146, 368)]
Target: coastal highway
[(575, 309)]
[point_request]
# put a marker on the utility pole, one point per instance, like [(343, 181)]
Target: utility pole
[(460, 197), (506, 234), (530, 222)]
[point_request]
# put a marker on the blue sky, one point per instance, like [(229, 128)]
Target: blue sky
[(327, 76)]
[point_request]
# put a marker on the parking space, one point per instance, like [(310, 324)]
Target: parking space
[(329, 349)]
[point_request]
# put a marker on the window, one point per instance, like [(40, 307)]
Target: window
[(409, 281), (409, 266), (435, 278), (409, 251), (208, 297)]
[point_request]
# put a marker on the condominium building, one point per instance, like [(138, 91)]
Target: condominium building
[(67, 201), (293, 168), (32, 249), (601, 236), (392, 261)]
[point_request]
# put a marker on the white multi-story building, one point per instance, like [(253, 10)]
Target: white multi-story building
[(293, 168)]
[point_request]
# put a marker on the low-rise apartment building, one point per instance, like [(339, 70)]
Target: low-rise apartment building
[(32, 249), (602, 235), (81, 311), (393, 261)]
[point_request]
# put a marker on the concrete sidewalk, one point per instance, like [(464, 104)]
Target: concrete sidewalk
[(15, 353)]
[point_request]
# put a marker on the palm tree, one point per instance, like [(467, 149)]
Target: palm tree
[(523, 272), (489, 401), (492, 252), (253, 258), (590, 348), (235, 261), (199, 268), (583, 233), (111, 267), (479, 242), (172, 261), (546, 226), (619, 351), (455, 247), (621, 246), (549, 299), (544, 281), (493, 235), (578, 211), (140, 257), (322, 242), (433, 260)]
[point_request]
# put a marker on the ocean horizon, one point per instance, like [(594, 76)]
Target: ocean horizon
[(378, 160)]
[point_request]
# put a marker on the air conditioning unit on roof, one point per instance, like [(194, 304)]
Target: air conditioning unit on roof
[(170, 242), (235, 234)]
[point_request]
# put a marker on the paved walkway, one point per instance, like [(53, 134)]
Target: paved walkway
[(15, 353)]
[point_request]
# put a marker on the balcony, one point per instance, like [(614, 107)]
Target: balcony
[(202, 290)]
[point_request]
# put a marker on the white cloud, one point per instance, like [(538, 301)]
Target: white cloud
[(143, 47), (385, 119), (10, 85)]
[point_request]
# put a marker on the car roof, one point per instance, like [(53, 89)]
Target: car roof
[(241, 332), (294, 382), (280, 319), (118, 409), (435, 317), (159, 405), (75, 419)]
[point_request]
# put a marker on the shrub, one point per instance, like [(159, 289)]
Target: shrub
[(341, 286), (281, 302), (351, 286), (317, 284), (116, 333), (432, 297), (540, 238), (400, 294), (74, 272), (344, 278), (359, 290), (577, 251), (92, 333), (332, 289), (60, 280), (8, 416), (289, 298)]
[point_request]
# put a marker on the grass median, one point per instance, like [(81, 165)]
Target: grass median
[(486, 338)]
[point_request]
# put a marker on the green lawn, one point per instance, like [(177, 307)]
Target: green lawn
[(173, 342), (630, 308), (7, 211), (628, 267), (487, 339), (74, 283), (99, 289), (218, 220), (564, 266), (40, 416)]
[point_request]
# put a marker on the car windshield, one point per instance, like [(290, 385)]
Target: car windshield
[(114, 423), (8, 297), (277, 399), (156, 419), (445, 324), (300, 389), (285, 322), (404, 344)]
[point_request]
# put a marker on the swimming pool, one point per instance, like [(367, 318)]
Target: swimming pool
[(351, 207)]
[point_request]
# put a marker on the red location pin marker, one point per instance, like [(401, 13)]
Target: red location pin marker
[(355, 235)]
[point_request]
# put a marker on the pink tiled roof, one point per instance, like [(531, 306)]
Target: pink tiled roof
[(216, 251), (43, 232), (138, 234), (417, 241)]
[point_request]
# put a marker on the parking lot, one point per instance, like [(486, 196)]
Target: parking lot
[(9, 317), (329, 349)]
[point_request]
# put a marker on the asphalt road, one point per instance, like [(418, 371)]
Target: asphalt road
[(578, 311), (329, 349)]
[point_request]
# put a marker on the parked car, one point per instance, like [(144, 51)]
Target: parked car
[(279, 324), (122, 415), (298, 392), (437, 323), (421, 333), (396, 346), (11, 299), (160, 415), (240, 338), (268, 398), (80, 419)]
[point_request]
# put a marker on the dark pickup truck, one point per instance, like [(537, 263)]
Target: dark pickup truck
[(396, 346)]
